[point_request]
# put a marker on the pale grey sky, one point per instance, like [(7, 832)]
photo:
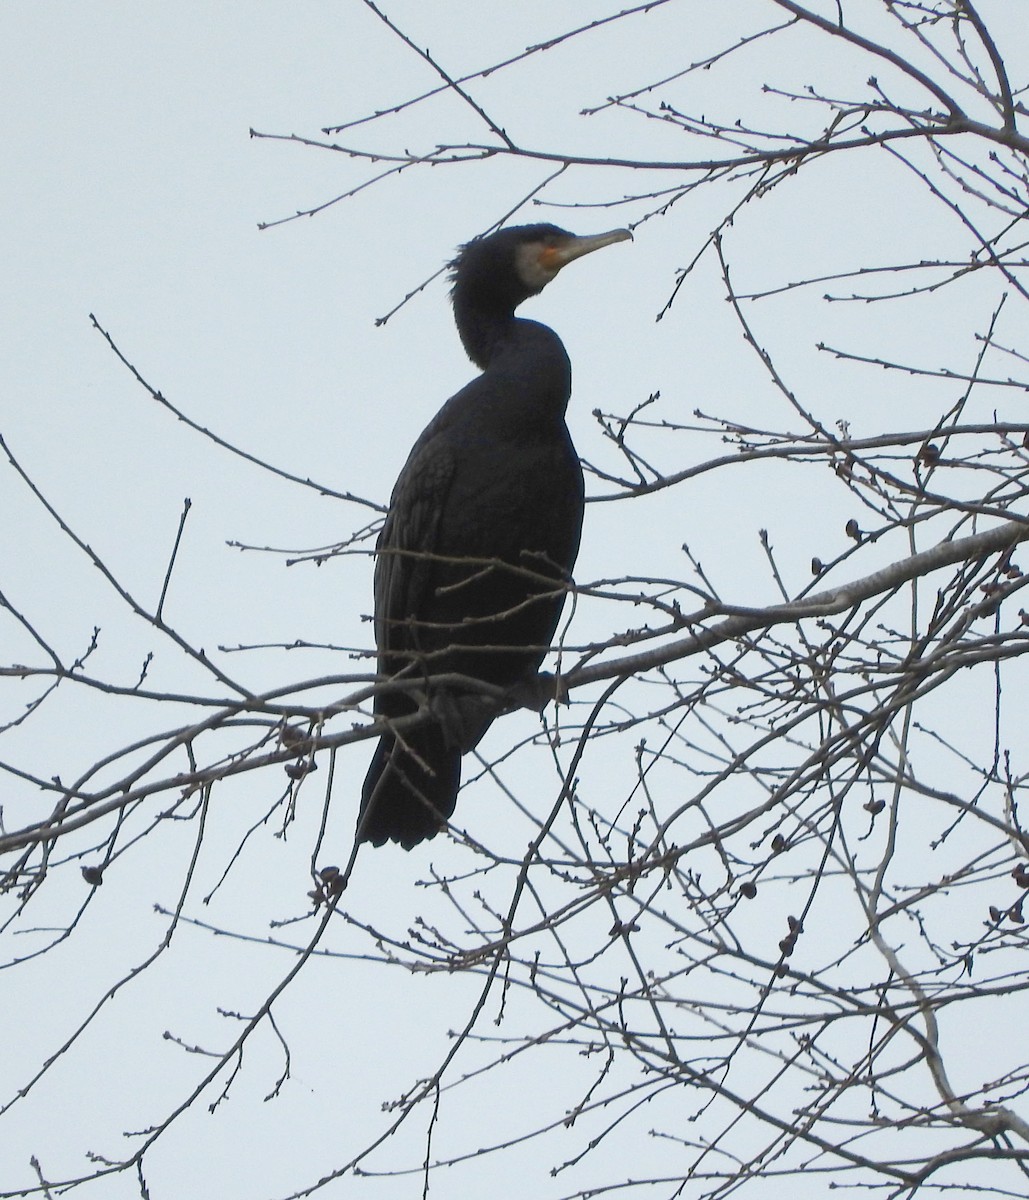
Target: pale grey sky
[(133, 191)]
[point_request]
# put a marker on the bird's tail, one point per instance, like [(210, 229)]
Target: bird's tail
[(410, 789)]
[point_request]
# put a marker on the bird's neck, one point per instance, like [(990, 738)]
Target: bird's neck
[(484, 329)]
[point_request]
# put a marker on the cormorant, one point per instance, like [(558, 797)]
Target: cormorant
[(481, 535)]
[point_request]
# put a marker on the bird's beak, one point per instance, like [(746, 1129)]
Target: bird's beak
[(575, 247)]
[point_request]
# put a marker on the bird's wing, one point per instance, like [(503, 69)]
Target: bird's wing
[(403, 578)]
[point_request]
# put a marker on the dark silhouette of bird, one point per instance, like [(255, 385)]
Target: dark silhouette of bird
[(480, 539)]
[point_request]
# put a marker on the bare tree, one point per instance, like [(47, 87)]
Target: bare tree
[(768, 927)]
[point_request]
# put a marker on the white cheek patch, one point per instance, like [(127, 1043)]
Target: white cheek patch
[(530, 269)]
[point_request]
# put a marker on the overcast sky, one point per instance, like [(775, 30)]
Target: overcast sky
[(134, 192)]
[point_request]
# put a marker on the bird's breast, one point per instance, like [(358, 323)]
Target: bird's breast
[(508, 497)]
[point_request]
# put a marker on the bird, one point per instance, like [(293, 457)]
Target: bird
[(475, 555)]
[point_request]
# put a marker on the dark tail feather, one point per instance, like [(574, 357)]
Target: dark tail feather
[(403, 802)]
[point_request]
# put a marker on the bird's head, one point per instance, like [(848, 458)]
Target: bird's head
[(505, 268)]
